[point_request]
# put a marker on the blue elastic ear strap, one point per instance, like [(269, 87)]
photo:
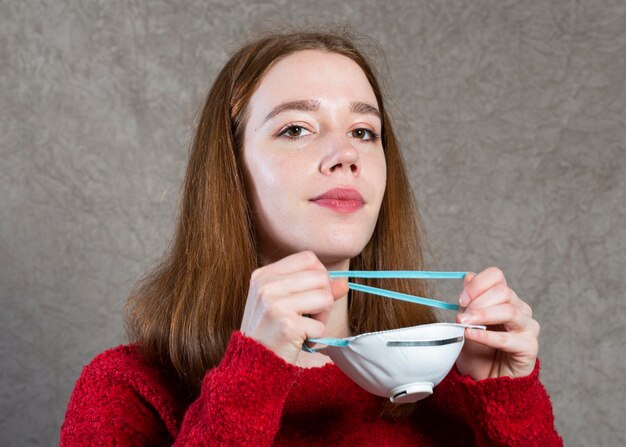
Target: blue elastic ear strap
[(410, 274), (406, 274), (340, 343), (403, 297)]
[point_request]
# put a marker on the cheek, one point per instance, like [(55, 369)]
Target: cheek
[(275, 175), (275, 179), (259, 168)]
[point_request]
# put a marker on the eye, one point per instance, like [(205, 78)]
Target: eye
[(294, 132), (364, 134)]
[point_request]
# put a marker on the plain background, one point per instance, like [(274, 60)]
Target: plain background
[(511, 114)]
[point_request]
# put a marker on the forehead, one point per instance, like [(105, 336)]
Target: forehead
[(312, 74)]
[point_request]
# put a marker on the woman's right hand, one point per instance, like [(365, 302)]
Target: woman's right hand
[(280, 294)]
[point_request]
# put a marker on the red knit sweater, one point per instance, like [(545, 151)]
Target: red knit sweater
[(255, 398)]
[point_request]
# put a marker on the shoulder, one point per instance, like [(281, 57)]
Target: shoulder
[(126, 366), (123, 374), (123, 363), (120, 358)]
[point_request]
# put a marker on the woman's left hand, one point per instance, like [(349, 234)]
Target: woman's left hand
[(510, 345)]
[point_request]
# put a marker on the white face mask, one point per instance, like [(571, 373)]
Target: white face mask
[(402, 364)]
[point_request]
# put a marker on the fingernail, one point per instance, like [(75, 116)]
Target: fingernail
[(464, 300), (465, 318)]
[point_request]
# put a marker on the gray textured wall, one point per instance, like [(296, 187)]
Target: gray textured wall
[(513, 120)]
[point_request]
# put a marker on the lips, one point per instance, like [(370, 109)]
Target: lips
[(340, 199)]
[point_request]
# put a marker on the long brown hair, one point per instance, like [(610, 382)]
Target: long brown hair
[(183, 312)]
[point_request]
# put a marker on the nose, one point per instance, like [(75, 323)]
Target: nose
[(342, 157)]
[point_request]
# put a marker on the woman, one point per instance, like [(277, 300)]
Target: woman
[(295, 171)]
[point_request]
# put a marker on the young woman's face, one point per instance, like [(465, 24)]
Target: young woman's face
[(314, 126)]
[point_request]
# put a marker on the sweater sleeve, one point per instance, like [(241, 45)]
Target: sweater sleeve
[(240, 403), (242, 399), (106, 409), (501, 411)]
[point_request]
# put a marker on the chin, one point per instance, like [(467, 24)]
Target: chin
[(337, 253)]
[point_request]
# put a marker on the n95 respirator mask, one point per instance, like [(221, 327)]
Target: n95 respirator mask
[(403, 364)]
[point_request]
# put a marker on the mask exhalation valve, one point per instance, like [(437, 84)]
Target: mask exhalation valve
[(411, 393)]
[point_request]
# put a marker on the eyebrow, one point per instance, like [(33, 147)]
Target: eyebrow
[(306, 105), (364, 109), (310, 105)]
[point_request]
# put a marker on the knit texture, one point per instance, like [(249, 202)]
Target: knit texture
[(255, 398)]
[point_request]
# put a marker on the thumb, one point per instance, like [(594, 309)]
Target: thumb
[(464, 299), (339, 287)]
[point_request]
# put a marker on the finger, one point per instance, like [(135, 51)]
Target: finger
[(299, 281), (312, 328), (510, 316), (477, 285), (310, 302), (464, 298), (340, 289), (523, 344), (499, 294)]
